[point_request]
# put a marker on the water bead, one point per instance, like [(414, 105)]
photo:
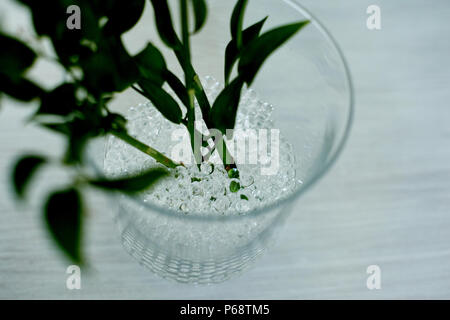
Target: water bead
[(235, 186), (207, 168), (233, 173)]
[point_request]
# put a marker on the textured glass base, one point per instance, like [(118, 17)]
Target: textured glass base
[(167, 264)]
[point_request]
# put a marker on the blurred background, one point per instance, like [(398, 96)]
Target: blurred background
[(386, 201)]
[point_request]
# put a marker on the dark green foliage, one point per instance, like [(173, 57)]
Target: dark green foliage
[(106, 65), (237, 21), (23, 171), (232, 52), (61, 101), (79, 133), (255, 50), (122, 15), (63, 216), (153, 69), (15, 57), (98, 65), (152, 65), (21, 89), (161, 100), (115, 121), (58, 127), (224, 109), (164, 24), (202, 100), (258, 50), (252, 50), (177, 86), (200, 13), (110, 68), (49, 19), (133, 184)]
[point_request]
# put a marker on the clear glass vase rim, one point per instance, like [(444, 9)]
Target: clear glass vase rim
[(193, 216)]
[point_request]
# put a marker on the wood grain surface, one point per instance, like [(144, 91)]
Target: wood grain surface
[(385, 202)]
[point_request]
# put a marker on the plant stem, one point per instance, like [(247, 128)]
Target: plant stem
[(224, 155), (186, 52), (191, 128), (194, 88), (192, 80), (158, 156), (185, 37), (205, 106)]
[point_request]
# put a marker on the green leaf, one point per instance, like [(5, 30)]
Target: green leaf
[(164, 24), (89, 122), (237, 21), (23, 171), (15, 57), (80, 130), (224, 109), (61, 127), (258, 50), (63, 217), (41, 13), (232, 52), (178, 87), (244, 197), (110, 68), (21, 89), (202, 99), (151, 64), (76, 144), (123, 15), (114, 121), (132, 184), (61, 101), (101, 75), (162, 101), (50, 19), (200, 13)]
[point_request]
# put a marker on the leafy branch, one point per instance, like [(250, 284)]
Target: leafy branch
[(79, 106)]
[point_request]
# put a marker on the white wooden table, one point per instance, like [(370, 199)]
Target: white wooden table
[(386, 202)]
